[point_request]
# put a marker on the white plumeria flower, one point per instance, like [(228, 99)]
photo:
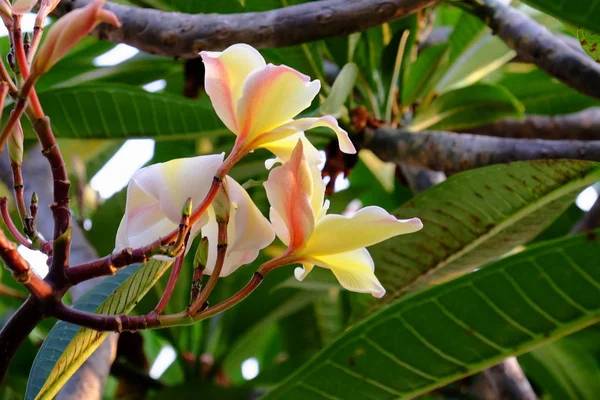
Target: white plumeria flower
[(258, 101), (157, 194), (298, 214)]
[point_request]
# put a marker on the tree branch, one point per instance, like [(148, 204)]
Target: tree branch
[(582, 125), (455, 152), (16, 331), (535, 44), (184, 35)]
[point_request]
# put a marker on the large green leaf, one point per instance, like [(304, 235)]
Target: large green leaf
[(476, 216), (579, 12), (454, 330), (120, 111), (564, 369), (467, 107), (68, 346), (540, 93)]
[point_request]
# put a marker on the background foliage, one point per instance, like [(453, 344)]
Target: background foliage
[(534, 292)]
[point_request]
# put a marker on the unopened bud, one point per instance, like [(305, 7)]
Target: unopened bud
[(46, 7), (187, 208), (200, 260), (69, 30), (6, 12), (221, 204), (15, 145)]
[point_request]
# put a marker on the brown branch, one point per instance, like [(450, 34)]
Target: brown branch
[(454, 152), (184, 35), (582, 125), (535, 44), (504, 381), (22, 272)]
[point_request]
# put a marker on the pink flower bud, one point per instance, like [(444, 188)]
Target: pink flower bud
[(69, 30), (21, 7)]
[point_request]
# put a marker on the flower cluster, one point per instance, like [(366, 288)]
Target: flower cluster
[(258, 103)]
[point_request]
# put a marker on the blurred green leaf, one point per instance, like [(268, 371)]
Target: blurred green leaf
[(428, 340), (424, 73), (578, 12), (467, 107), (589, 42), (341, 89)]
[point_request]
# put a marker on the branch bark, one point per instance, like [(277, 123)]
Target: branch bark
[(582, 125), (184, 35), (455, 152), (535, 44)]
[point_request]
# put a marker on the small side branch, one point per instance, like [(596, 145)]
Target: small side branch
[(582, 125), (535, 44), (455, 152)]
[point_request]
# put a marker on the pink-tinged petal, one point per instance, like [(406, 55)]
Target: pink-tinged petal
[(354, 271), (304, 124), (271, 97), (69, 30), (289, 190), (338, 234), (20, 7), (225, 75), (250, 230), (279, 226), (283, 149)]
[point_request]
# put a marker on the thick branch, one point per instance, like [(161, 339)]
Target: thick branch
[(16, 330), (183, 35), (535, 44), (582, 125), (454, 152)]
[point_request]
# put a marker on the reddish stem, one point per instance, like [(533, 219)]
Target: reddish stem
[(198, 303), (14, 231), (19, 47), (166, 296)]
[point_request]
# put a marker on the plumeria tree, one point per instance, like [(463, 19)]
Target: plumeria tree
[(451, 138)]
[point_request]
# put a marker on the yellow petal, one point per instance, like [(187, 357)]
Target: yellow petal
[(225, 75), (354, 271), (271, 97), (337, 234), (289, 190), (304, 124), (283, 149)]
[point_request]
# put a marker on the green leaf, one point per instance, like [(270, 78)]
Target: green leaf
[(467, 107), (341, 89), (120, 111), (582, 13), (542, 94), (68, 346), (564, 369), (484, 57), (589, 42), (424, 73), (476, 216), (451, 331)]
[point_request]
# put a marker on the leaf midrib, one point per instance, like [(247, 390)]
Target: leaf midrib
[(563, 190)]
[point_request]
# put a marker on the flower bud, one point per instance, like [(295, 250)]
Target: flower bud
[(221, 204), (46, 7), (15, 145), (69, 30)]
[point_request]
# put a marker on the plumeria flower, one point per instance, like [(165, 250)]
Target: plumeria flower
[(298, 214), (258, 101), (157, 194), (69, 30)]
